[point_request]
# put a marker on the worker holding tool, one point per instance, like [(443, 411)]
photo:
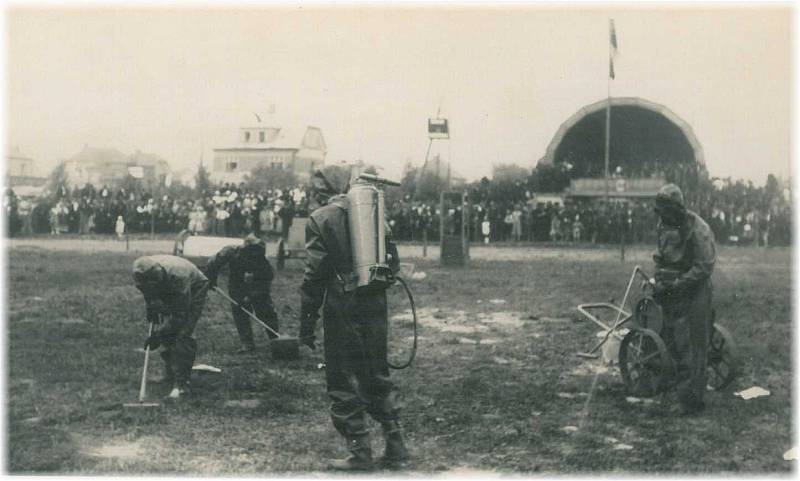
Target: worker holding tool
[(684, 264), (174, 290), (355, 326), (249, 284)]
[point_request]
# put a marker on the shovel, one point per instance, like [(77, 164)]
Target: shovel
[(284, 347), (143, 386)]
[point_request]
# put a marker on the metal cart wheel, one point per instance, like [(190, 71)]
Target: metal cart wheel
[(723, 359), (648, 315), (645, 364), (281, 256)]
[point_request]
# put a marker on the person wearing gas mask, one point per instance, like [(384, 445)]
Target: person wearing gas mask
[(249, 284), (174, 292), (355, 332), (684, 264)]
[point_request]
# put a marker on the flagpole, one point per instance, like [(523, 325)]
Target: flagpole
[(608, 119)]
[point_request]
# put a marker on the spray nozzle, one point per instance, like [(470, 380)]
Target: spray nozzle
[(378, 180)]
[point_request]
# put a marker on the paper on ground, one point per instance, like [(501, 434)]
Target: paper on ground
[(752, 393), (406, 270), (205, 367)]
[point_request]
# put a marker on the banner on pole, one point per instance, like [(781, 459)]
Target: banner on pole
[(612, 38), (438, 129)]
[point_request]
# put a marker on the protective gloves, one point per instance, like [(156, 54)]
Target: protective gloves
[(154, 341), (663, 290)]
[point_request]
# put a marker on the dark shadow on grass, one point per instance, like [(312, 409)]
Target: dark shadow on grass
[(39, 449)]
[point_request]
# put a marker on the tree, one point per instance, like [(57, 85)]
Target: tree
[(179, 190), (772, 191), (508, 183), (549, 178), (58, 181), (202, 181), (266, 177)]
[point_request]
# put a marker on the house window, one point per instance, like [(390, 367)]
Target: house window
[(276, 165), (247, 136), (231, 166), (261, 137)]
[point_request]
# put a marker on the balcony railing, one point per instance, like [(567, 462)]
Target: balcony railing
[(617, 187)]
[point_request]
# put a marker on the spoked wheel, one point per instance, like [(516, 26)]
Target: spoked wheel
[(648, 315), (281, 261), (723, 359), (645, 364)]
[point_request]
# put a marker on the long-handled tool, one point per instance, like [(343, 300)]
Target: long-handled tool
[(622, 316), (284, 347), (143, 387)]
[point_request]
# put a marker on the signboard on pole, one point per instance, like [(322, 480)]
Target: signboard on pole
[(438, 129)]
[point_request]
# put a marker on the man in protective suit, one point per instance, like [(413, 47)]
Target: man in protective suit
[(174, 292), (355, 327), (249, 284), (684, 264)]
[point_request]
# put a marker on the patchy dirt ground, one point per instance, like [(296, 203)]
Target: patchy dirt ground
[(496, 386)]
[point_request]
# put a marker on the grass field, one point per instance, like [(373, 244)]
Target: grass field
[(495, 382)]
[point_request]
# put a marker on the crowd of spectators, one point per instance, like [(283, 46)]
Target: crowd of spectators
[(591, 222), (738, 213), (224, 210)]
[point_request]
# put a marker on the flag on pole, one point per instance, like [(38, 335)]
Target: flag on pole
[(612, 35)]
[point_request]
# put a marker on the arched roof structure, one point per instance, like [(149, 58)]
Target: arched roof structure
[(628, 103)]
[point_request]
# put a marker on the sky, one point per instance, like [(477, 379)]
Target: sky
[(180, 82)]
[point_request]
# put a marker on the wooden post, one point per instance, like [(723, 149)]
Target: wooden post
[(622, 239)]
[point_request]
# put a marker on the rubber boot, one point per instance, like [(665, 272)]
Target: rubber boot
[(169, 374), (360, 458), (179, 391), (396, 452)]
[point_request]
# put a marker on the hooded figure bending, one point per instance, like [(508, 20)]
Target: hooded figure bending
[(249, 284), (174, 293), (684, 264)]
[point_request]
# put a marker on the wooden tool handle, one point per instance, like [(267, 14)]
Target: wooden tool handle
[(143, 387)]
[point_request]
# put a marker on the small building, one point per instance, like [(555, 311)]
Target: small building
[(18, 165), (154, 169), (21, 170), (108, 166), (302, 151)]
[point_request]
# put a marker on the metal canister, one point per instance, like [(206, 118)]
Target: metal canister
[(367, 232)]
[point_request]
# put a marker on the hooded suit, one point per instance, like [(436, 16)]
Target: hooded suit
[(174, 288), (249, 283), (684, 263)]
